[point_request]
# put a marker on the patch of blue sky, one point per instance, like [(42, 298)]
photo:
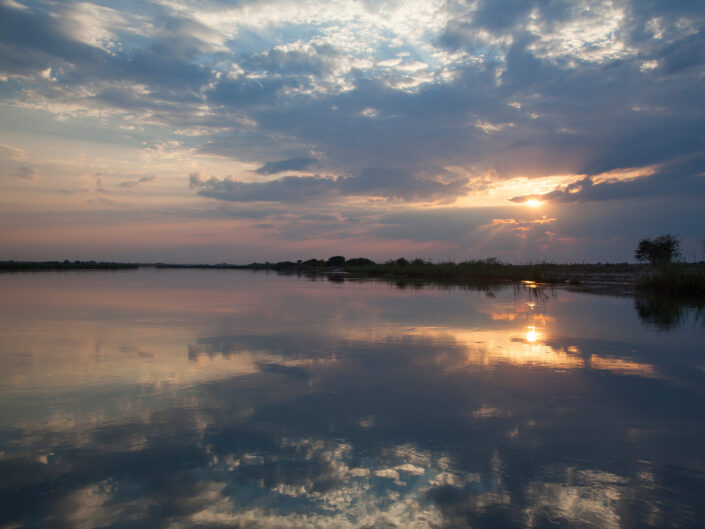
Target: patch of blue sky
[(10, 88), (287, 33), (128, 42), (248, 42)]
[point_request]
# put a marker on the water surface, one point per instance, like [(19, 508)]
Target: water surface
[(220, 398)]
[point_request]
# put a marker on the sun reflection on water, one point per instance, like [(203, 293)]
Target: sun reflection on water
[(532, 335)]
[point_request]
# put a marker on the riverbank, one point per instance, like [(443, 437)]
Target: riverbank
[(675, 279), (29, 266), (494, 270), (680, 279)]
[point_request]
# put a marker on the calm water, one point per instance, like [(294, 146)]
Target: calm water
[(195, 398)]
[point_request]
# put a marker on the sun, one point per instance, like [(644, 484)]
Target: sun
[(533, 203)]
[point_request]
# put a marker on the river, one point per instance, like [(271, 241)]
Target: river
[(223, 398)]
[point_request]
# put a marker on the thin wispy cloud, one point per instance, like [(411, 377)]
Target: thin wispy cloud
[(25, 172), (141, 180)]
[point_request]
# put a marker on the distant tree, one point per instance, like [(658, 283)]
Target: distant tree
[(359, 261), (336, 260), (401, 262), (658, 250)]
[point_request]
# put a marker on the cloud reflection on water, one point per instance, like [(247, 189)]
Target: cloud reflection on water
[(345, 406)]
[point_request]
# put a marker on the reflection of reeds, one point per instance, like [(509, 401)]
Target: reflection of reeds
[(668, 311), (668, 294)]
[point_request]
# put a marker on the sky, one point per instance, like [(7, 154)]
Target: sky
[(252, 130)]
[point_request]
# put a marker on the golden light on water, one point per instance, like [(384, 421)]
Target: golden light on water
[(532, 335)]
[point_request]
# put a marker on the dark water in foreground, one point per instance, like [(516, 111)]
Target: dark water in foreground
[(194, 398)]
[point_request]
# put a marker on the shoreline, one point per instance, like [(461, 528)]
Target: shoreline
[(683, 279)]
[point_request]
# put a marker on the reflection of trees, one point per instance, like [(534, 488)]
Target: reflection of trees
[(528, 289), (668, 312), (535, 291)]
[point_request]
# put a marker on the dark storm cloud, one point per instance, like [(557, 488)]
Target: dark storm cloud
[(291, 164)]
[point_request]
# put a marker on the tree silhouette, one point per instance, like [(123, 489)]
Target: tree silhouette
[(359, 261), (336, 260), (658, 250)]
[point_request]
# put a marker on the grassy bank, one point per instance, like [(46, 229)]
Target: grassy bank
[(495, 270), (676, 279), (673, 279)]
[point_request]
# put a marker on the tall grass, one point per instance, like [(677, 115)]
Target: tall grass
[(676, 279), (491, 270)]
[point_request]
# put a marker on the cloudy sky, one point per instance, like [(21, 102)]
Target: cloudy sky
[(276, 129)]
